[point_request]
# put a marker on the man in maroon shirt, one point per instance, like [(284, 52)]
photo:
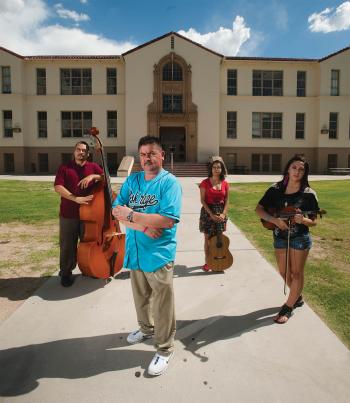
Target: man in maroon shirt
[(73, 183)]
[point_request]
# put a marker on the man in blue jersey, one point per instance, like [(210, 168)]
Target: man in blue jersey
[(149, 205)]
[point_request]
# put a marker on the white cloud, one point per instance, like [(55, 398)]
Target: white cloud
[(24, 29), (83, 1), (70, 14), (225, 40), (330, 19)]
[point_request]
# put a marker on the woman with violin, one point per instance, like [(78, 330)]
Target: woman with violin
[(290, 207), (214, 193)]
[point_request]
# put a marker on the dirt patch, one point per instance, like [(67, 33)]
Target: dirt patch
[(29, 255), (328, 250)]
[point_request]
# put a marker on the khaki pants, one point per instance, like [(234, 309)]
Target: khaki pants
[(154, 302)]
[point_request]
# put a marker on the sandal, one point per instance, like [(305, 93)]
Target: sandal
[(286, 311), (299, 302)]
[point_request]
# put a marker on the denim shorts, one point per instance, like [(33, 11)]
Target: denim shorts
[(301, 242)]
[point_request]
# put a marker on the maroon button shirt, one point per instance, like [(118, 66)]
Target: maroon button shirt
[(69, 175)]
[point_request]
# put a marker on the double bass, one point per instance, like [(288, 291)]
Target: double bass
[(102, 245)]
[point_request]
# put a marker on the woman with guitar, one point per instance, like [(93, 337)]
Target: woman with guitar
[(290, 207), (214, 193)]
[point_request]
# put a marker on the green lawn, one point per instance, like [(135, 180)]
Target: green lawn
[(27, 202), (327, 285)]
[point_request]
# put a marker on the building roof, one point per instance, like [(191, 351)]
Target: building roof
[(334, 54), (271, 59), (61, 57), (11, 53), (106, 57), (169, 34), (71, 57)]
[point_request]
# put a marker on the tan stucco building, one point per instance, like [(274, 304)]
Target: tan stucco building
[(254, 112)]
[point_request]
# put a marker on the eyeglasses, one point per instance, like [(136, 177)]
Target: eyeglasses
[(81, 150), (152, 154)]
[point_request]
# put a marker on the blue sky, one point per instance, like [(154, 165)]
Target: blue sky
[(281, 28)]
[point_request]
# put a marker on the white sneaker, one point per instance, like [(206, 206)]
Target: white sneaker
[(137, 337), (159, 364)]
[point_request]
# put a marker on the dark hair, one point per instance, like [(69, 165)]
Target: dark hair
[(83, 142), (304, 183), (223, 169), (149, 140)]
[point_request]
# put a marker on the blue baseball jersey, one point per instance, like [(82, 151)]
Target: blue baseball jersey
[(160, 195)]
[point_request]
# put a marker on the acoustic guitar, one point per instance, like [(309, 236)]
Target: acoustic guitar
[(220, 257)]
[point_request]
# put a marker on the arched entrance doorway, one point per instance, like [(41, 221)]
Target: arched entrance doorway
[(173, 140), (172, 115)]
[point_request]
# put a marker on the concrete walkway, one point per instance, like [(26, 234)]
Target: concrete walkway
[(69, 345)]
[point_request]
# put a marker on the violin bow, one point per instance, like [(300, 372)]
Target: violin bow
[(287, 258)]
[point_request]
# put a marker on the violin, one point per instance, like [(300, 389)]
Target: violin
[(219, 257), (288, 213), (102, 245)]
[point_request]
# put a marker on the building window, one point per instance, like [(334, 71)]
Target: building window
[(112, 124), (76, 124), (112, 162), (333, 125), (111, 81), (332, 161), (276, 162), (349, 161), (6, 79), (41, 81), (231, 125), (7, 121), (231, 159), (301, 83), (300, 126), (172, 72), (231, 82), (267, 83), (43, 162), (66, 157), (334, 82), (267, 125), (42, 124), (172, 103), (266, 162), (75, 81), (9, 162), (255, 162)]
